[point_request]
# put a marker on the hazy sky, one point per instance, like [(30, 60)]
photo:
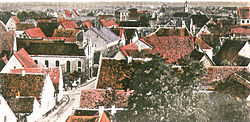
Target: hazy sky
[(112, 0)]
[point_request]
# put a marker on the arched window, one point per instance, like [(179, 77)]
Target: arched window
[(36, 61), (57, 63), (68, 67), (79, 66), (46, 63)]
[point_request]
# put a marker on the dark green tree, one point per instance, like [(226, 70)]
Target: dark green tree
[(164, 93), (5, 16), (48, 27)]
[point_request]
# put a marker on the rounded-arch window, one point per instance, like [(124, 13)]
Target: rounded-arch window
[(46, 63), (68, 66), (36, 61), (57, 63), (79, 66)]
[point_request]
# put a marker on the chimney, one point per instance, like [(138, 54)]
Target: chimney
[(129, 59), (113, 111), (23, 72), (101, 110)]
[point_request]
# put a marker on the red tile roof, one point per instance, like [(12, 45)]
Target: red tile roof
[(15, 18), (70, 24), (217, 73), (240, 31), (130, 46), (244, 12), (171, 48), (21, 104), (65, 33), (114, 73), (108, 23), (66, 39), (17, 85), (133, 51), (5, 59), (67, 13), (99, 97), (74, 118), (104, 118), (35, 33), (202, 44), (24, 58), (87, 23), (54, 74)]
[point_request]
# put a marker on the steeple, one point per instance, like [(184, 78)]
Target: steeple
[(186, 6)]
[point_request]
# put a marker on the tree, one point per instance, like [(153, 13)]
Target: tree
[(166, 94), (48, 27)]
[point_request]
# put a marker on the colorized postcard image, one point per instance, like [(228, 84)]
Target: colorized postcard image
[(124, 60)]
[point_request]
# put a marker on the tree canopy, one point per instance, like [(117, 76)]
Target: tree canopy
[(164, 93)]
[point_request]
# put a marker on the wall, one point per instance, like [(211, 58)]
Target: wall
[(62, 61), (209, 52), (36, 112), (13, 63), (47, 96), (6, 111), (11, 24), (245, 21)]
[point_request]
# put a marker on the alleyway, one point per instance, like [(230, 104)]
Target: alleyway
[(70, 102)]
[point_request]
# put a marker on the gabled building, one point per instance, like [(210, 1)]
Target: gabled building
[(54, 73), (201, 57), (68, 25), (35, 33), (230, 51), (8, 115), (20, 59), (109, 23), (244, 16), (29, 96), (55, 54), (12, 23)]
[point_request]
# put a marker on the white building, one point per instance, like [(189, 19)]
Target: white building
[(6, 114)]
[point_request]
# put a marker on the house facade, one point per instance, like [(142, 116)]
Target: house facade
[(36, 92), (6, 114)]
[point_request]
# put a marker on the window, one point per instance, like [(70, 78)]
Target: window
[(46, 63), (79, 66), (57, 63), (36, 61), (68, 67), (243, 21), (247, 21)]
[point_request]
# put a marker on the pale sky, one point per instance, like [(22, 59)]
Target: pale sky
[(119, 0)]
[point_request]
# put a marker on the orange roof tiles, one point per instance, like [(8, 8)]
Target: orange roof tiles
[(70, 24), (109, 23), (67, 13), (17, 85), (87, 23), (35, 33), (133, 51), (74, 118), (244, 12), (240, 31), (171, 48), (24, 58), (217, 73), (94, 98), (54, 73)]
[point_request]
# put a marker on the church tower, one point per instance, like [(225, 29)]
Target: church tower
[(186, 6)]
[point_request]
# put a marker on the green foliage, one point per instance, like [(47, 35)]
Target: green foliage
[(5, 16), (23, 15), (48, 27), (165, 94)]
